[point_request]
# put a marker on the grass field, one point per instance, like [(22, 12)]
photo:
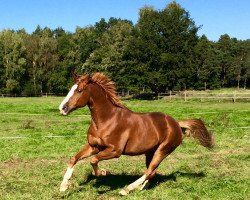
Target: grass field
[(33, 158)]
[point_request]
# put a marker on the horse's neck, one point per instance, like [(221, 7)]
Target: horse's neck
[(100, 106)]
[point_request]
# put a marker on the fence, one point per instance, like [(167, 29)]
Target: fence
[(188, 95), (32, 95), (171, 95)]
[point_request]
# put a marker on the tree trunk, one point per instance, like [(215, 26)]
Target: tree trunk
[(34, 75), (245, 83)]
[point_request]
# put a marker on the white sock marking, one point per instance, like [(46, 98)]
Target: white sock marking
[(144, 185), (135, 184), (66, 99), (68, 173), (67, 176)]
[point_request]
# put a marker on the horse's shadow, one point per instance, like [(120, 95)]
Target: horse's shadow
[(119, 181)]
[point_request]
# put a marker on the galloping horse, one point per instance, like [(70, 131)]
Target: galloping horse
[(116, 130)]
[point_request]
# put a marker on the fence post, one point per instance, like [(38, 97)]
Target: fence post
[(185, 95), (234, 97), (170, 94)]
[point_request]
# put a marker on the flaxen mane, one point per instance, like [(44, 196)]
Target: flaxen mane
[(108, 86)]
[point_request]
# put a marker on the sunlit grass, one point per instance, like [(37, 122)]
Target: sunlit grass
[(32, 167)]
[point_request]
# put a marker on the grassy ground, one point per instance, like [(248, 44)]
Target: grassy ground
[(32, 167)]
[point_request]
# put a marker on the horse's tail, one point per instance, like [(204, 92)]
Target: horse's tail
[(196, 128)]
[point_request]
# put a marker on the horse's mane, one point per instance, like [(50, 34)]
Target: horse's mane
[(108, 86)]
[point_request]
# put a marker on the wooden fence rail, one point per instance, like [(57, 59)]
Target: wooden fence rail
[(186, 95)]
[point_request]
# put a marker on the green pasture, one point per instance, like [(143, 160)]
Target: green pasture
[(34, 155)]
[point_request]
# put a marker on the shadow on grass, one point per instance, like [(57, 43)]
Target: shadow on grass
[(119, 181)]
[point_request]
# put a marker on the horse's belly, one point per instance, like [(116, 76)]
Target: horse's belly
[(141, 145)]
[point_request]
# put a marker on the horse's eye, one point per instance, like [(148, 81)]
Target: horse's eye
[(79, 90)]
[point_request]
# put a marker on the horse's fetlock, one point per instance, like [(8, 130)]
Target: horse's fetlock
[(72, 162), (94, 161)]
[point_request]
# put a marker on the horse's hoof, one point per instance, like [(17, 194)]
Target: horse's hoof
[(105, 172), (124, 192), (101, 172), (63, 187)]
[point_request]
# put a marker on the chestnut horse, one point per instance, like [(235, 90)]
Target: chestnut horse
[(115, 130)]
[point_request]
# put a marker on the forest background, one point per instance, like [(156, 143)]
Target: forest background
[(161, 52)]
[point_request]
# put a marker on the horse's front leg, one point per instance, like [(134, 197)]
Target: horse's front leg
[(85, 152), (106, 154)]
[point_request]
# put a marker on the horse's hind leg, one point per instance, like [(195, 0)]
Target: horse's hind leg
[(149, 157), (163, 151), (150, 172), (85, 152)]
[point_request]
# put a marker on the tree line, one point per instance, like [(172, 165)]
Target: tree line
[(161, 52)]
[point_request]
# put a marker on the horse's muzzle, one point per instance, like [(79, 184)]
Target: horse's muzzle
[(64, 110)]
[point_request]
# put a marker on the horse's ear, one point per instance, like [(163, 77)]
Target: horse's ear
[(89, 79), (74, 76)]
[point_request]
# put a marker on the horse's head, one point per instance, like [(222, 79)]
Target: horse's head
[(78, 95)]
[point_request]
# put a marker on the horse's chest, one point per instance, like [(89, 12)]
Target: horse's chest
[(95, 140), (99, 137)]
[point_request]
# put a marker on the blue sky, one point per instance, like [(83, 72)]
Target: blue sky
[(217, 17)]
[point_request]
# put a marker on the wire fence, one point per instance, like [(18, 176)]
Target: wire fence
[(33, 95), (49, 136), (68, 136)]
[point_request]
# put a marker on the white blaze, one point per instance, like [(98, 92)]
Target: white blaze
[(66, 99)]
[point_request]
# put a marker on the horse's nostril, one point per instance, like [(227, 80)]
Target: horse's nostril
[(64, 108)]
